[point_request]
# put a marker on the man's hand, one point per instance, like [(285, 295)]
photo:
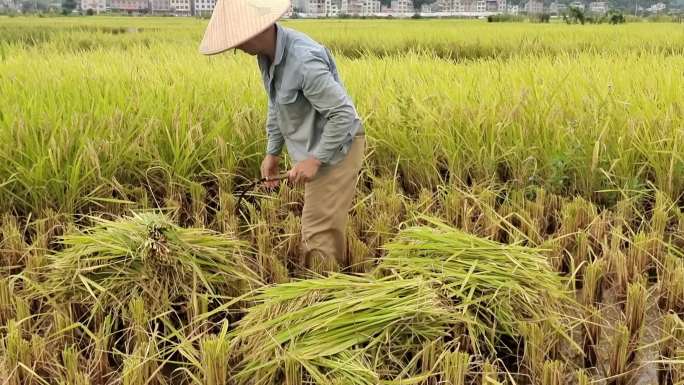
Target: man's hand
[(269, 169), (304, 171)]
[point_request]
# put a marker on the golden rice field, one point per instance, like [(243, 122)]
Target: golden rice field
[(518, 218)]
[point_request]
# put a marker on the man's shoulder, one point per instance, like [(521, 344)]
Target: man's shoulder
[(301, 47)]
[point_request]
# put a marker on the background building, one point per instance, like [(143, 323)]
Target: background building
[(98, 6)]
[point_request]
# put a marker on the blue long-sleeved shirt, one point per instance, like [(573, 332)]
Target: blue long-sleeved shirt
[(308, 110)]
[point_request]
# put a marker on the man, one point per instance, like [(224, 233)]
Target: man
[(309, 112)]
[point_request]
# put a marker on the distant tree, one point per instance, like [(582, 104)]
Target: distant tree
[(68, 6), (544, 18), (90, 12), (576, 15), (615, 17), (417, 4)]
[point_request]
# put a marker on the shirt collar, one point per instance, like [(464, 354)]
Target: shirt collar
[(280, 44)]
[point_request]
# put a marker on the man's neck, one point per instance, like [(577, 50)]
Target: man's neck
[(271, 38)]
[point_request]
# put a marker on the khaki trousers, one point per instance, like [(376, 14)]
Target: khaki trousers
[(327, 200)]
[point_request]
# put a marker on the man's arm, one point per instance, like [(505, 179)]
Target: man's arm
[(275, 137), (330, 99)]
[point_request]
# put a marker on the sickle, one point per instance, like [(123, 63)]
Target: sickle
[(253, 184)]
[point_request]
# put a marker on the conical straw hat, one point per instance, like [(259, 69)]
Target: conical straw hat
[(235, 21)]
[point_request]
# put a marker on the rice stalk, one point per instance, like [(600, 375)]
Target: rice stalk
[(71, 361), (671, 285), (456, 367), (553, 373), (490, 374), (582, 377), (592, 287), (214, 357), (671, 365), (6, 303), (635, 311), (17, 355), (619, 358), (12, 244), (102, 342), (360, 255), (591, 333)]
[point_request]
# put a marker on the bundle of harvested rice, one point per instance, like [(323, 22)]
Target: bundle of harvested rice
[(504, 284), (147, 256), (340, 330)]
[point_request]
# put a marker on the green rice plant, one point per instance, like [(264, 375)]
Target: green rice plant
[(661, 215), (198, 306), (455, 367), (71, 370), (101, 347), (635, 313), (16, 353), (540, 344), (291, 244), (619, 357), (226, 221), (671, 365), (145, 256), (6, 303), (22, 311), (490, 374), (272, 267), (619, 272), (215, 352), (431, 356), (42, 357), (13, 247), (141, 367), (553, 373), (582, 377), (198, 206), (639, 256), (592, 285), (63, 321), (591, 334), (334, 326), (671, 283), (599, 230), (507, 284), (138, 319), (359, 254)]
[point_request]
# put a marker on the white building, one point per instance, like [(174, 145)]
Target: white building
[(534, 7), (331, 8), (163, 6), (96, 5), (598, 7), (557, 8), (481, 6), (657, 8), (501, 6), (180, 7), (370, 7), (402, 7), (513, 9)]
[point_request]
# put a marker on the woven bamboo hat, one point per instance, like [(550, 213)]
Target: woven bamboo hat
[(233, 22)]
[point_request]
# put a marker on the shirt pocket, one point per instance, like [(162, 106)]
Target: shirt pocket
[(291, 109)]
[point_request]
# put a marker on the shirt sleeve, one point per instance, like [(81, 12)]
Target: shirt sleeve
[(275, 138), (330, 99)]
